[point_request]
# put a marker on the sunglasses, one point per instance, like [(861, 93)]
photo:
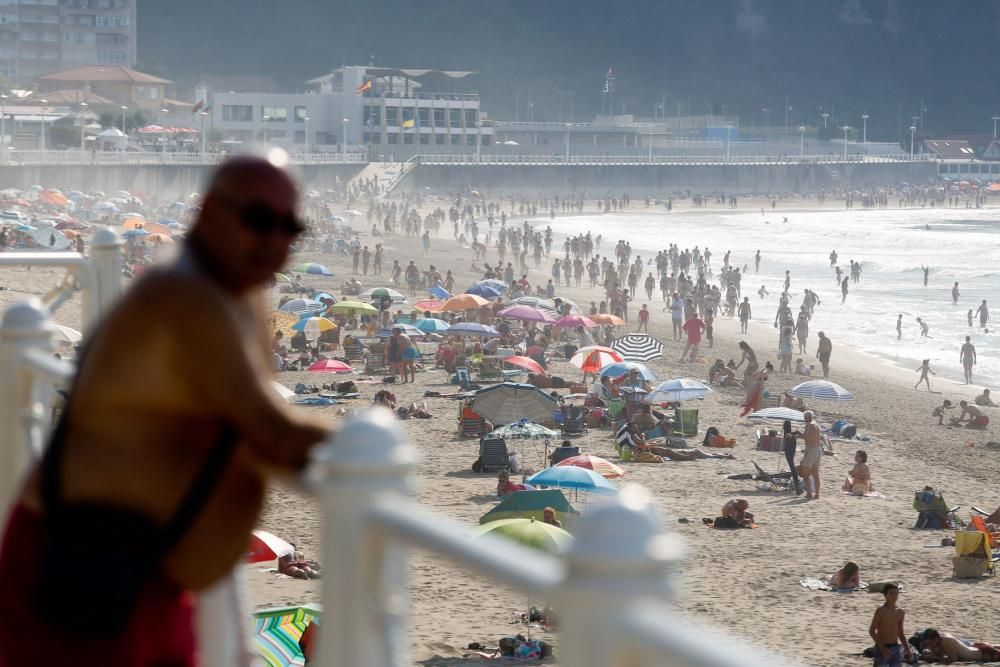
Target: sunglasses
[(262, 219)]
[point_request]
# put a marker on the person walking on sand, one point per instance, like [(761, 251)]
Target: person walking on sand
[(694, 328), (677, 315), (899, 327), (926, 270), (823, 351), (983, 313), (886, 630), (954, 293), (924, 369), (643, 319), (745, 314), (967, 356), (809, 466)]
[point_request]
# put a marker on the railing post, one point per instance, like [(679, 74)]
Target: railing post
[(364, 574), (25, 326), (106, 255), (619, 557)]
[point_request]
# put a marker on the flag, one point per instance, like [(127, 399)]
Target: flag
[(364, 87), (198, 105), (408, 124)]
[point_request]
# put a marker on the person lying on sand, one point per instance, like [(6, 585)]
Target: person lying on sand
[(685, 454), (848, 576), (945, 647), (736, 510), (296, 566), (859, 478), (793, 402)]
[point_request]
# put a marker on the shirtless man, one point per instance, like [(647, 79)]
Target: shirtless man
[(823, 351), (148, 412), (954, 293), (976, 418), (967, 356), (736, 509), (983, 313), (809, 466), (945, 647), (886, 630)]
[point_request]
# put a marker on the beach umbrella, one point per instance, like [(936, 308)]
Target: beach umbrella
[(314, 325), (821, 390), (281, 278), (575, 321), (638, 347), (353, 306), (105, 207), (26, 229), (312, 269), (472, 329), (53, 198), (485, 291), (407, 329), (439, 292), (572, 477), (492, 282), (132, 233), (623, 367), (602, 467), (352, 212), (432, 325), (330, 366), (323, 296), (682, 389), (608, 319), (778, 414), (463, 302), (528, 314), (66, 335), (509, 402), (535, 302), (528, 532), (49, 239), (522, 429), (527, 363), (382, 292), (593, 358), (531, 505), (428, 305), (283, 322), (277, 631), (265, 546), (301, 306), (160, 238)]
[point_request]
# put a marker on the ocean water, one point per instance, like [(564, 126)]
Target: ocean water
[(959, 245)]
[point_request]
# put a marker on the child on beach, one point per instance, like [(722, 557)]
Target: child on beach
[(940, 410), (848, 576), (886, 630), (923, 328), (924, 369)]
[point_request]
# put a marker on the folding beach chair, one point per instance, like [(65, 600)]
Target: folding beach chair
[(354, 351), (573, 423), (375, 364), (471, 423), (933, 513), (462, 375), (686, 421), (979, 523), (493, 455)]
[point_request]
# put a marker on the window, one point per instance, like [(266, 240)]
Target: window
[(239, 113), (86, 21), (391, 116), (301, 114), (470, 140), (274, 114), (471, 118), (425, 139), (407, 113), (393, 138), (277, 134), (373, 116), (408, 138), (455, 116), (154, 92), (439, 139), (456, 139), (424, 114), (439, 117)]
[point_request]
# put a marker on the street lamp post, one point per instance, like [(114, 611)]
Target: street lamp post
[(3, 127), (825, 115), (995, 119), (767, 125), (864, 128), (913, 131), (567, 141), (305, 137), (343, 143), (846, 129), (729, 128), (124, 109), (802, 140), (83, 123), (41, 142), (204, 137)]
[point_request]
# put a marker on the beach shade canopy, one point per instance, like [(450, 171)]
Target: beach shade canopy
[(522, 429), (49, 239), (66, 335), (438, 292), (485, 291), (314, 325), (472, 329), (331, 366), (682, 389), (508, 402), (535, 302), (778, 414), (638, 347), (593, 358), (575, 321), (277, 631), (352, 212), (531, 505), (602, 467), (572, 477), (463, 302), (301, 306), (528, 314), (622, 367), (432, 325), (265, 546), (608, 319), (821, 390), (428, 305), (408, 329), (527, 363), (382, 292), (528, 532), (353, 306), (312, 268)]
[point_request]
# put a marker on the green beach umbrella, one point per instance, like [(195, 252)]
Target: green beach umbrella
[(528, 532), (531, 505)]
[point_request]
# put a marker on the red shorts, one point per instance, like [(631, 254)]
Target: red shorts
[(981, 421), (160, 633)]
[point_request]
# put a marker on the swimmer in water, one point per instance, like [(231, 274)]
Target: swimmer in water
[(923, 328), (970, 317), (899, 327)]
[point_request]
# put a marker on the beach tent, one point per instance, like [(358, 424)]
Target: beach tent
[(277, 631), (531, 505)]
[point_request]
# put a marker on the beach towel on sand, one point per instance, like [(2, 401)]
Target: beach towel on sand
[(823, 584), (714, 523)]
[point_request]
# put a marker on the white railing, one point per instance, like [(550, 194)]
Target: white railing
[(664, 160), (141, 158), (404, 169), (612, 591)]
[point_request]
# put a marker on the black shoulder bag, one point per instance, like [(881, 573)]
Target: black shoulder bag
[(98, 557)]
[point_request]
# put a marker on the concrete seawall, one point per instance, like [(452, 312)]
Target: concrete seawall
[(161, 180), (660, 179)]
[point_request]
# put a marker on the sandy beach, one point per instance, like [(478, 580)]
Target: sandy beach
[(745, 582)]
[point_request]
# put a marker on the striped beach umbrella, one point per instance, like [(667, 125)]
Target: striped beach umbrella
[(508, 402), (602, 467), (301, 306), (277, 632), (535, 302), (681, 389), (594, 358), (314, 325), (778, 414), (821, 390), (638, 347)]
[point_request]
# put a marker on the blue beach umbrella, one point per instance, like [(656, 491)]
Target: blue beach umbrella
[(432, 325), (472, 329), (302, 307), (572, 477), (313, 269), (485, 291), (622, 367), (439, 292)]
